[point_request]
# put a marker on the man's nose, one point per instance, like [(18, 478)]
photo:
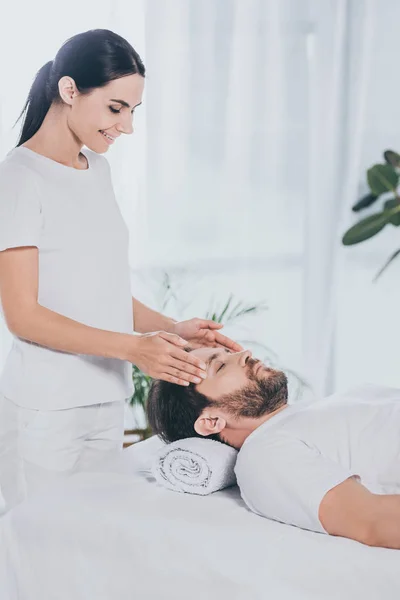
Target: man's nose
[(243, 356)]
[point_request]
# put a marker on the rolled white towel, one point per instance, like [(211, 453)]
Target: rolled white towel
[(195, 466), (142, 454)]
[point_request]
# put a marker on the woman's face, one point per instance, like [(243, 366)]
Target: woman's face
[(106, 110)]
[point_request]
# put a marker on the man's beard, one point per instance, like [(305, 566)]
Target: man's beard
[(260, 397)]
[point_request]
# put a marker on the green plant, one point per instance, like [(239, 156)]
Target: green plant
[(229, 313), (383, 182), (142, 383)]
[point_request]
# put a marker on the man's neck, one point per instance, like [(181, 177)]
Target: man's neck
[(236, 435)]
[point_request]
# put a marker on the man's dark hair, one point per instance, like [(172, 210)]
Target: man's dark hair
[(173, 409)]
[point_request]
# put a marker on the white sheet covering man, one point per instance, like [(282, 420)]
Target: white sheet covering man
[(331, 466)]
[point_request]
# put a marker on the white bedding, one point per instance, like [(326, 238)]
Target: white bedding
[(118, 536)]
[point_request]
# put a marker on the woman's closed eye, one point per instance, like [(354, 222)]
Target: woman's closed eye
[(114, 110), (220, 367)]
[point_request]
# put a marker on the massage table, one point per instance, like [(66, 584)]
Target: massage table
[(115, 534)]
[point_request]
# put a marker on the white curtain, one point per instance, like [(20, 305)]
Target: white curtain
[(339, 59), (258, 122)]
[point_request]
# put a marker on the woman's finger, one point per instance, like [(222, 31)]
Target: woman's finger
[(227, 342), (176, 372), (173, 338), (188, 357), (219, 345), (189, 369), (209, 324), (172, 379)]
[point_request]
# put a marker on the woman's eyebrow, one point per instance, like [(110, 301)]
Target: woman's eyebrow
[(123, 102)]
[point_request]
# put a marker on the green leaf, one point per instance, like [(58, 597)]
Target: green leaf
[(387, 263), (364, 202), (225, 309), (142, 385), (365, 229), (382, 178), (393, 203), (392, 158), (230, 313)]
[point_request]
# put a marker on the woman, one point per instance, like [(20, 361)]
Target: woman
[(64, 274)]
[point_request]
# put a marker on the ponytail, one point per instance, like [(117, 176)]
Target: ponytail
[(37, 104)]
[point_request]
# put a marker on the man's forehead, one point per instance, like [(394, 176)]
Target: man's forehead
[(209, 354), (205, 352)]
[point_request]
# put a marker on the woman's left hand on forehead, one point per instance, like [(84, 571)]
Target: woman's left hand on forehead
[(202, 333)]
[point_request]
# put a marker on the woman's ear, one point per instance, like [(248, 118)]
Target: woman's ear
[(208, 425), (67, 89)]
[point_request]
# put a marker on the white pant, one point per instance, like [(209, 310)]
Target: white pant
[(40, 446)]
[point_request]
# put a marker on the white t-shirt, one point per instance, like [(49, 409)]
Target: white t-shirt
[(72, 216), (287, 465)]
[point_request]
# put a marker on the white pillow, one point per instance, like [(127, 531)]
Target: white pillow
[(195, 466), (140, 456)]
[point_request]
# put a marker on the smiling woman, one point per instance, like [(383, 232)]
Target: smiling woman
[(69, 308), (65, 274), (66, 95)]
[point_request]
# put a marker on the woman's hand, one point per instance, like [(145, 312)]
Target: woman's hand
[(160, 355), (203, 332)]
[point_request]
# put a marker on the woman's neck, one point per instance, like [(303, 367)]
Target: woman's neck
[(55, 140)]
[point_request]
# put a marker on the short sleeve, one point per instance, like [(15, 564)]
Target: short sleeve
[(21, 218), (286, 480)]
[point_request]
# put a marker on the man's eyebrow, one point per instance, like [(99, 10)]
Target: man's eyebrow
[(214, 356), (123, 102), (211, 358)]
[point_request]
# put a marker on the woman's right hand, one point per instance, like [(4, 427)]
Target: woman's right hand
[(160, 355)]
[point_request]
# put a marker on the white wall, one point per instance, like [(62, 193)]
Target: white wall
[(219, 173)]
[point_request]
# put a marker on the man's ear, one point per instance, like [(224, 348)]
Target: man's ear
[(207, 424)]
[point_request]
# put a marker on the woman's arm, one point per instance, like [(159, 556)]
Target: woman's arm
[(51, 329), (146, 320), (160, 355), (27, 319)]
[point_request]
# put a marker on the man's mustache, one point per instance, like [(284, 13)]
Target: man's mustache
[(251, 364)]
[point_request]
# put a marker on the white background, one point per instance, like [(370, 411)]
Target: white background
[(259, 121)]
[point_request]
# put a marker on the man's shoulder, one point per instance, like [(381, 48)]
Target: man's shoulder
[(271, 456), (367, 391), (277, 425), (269, 445)]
